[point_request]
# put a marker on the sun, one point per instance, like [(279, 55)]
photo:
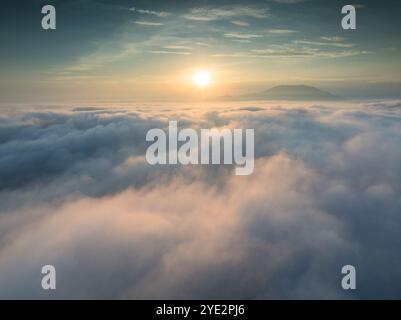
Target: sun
[(202, 78)]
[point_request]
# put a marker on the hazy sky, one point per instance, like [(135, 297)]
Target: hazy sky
[(134, 50)]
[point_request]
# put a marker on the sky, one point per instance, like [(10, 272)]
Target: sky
[(135, 50)]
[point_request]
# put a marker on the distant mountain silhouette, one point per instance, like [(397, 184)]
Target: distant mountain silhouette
[(298, 92)]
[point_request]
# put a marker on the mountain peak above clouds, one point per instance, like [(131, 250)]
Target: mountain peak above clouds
[(291, 92)]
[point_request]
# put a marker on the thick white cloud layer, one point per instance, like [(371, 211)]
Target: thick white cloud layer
[(76, 192)]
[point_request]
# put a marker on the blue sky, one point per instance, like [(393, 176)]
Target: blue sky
[(133, 49)]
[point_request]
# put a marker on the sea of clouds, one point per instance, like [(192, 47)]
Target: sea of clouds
[(76, 192)]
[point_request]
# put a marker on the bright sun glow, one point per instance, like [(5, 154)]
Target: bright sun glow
[(202, 78)]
